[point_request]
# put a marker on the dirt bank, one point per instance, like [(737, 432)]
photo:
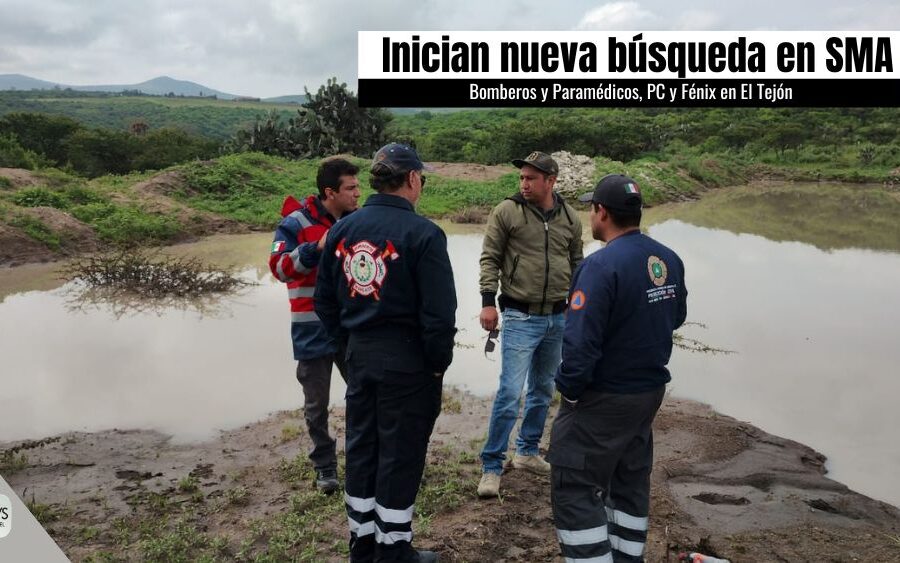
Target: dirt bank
[(719, 485)]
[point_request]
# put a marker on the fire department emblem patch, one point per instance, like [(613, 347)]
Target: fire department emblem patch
[(657, 270), (364, 266)]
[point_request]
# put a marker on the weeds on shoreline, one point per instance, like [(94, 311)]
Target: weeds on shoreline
[(140, 280)]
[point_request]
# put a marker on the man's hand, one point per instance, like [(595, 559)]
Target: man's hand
[(489, 318), (321, 245)]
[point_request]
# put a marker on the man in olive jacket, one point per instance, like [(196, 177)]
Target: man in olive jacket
[(531, 247)]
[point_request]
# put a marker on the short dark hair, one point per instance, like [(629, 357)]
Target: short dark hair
[(330, 172), (388, 182), (621, 220)]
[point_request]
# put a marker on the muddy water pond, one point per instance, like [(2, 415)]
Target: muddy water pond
[(800, 282)]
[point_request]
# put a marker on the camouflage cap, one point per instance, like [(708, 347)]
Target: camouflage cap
[(540, 160)]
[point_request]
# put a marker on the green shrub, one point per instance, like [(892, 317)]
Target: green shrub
[(127, 225), (37, 230), (13, 155), (40, 197), (93, 212)]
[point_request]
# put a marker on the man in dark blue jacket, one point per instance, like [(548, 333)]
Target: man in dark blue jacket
[(385, 286), (626, 301)]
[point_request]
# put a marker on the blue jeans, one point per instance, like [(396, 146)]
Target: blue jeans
[(530, 345)]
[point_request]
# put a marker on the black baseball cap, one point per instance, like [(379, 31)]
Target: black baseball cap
[(540, 160), (396, 158), (618, 193)]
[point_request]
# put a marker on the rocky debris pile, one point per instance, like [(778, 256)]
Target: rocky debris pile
[(576, 173)]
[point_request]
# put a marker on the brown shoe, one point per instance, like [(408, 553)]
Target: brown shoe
[(489, 486), (532, 463)]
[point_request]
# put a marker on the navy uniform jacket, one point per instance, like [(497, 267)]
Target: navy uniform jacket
[(626, 300), (385, 267)]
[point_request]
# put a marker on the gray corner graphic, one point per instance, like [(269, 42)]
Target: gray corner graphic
[(22, 538)]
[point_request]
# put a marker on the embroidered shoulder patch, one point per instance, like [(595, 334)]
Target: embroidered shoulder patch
[(578, 300), (657, 270), (364, 266)]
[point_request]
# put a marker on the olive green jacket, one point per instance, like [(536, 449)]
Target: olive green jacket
[(531, 260)]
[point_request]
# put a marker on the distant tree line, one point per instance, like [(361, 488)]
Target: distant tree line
[(625, 134), (205, 117), (34, 140)]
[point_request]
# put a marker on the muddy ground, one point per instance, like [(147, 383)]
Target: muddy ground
[(719, 485)]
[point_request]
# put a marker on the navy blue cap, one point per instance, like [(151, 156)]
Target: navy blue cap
[(396, 158), (616, 192)]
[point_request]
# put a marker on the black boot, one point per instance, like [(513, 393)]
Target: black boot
[(326, 480)]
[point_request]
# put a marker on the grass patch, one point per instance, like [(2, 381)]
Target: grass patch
[(179, 544), (448, 481), (188, 484), (12, 462), (248, 187), (127, 225), (443, 196), (45, 513), (5, 183), (304, 532), (104, 557), (37, 230), (40, 197), (237, 496), (451, 404), (290, 432), (88, 533), (296, 471)]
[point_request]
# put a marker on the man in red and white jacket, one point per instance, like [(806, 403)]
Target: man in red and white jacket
[(294, 260)]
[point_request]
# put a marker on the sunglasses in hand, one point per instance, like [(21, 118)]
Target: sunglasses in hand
[(490, 344)]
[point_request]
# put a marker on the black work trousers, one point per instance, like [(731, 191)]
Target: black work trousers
[(392, 404), (315, 377), (601, 452)]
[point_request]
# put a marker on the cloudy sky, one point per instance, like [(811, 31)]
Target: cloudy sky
[(274, 47)]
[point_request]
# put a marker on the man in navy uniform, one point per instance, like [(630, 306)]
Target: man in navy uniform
[(385, 286), (626, 301)]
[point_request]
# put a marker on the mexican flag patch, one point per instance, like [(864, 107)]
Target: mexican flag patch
[(631, 188), (277, 246)]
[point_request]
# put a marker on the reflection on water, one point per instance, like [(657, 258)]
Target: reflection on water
[(80, 299), (814, 332), (816, 341), (827, 216)]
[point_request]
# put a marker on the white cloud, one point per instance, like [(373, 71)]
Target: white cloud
[(698, 20), (275, 47), (616, 15), (874, 16)]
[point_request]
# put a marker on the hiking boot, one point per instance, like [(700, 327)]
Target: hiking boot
[(532, 463), (326, 480), (427, 556), (489, 486)]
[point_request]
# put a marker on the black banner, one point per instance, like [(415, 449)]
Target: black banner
[(477, 93)]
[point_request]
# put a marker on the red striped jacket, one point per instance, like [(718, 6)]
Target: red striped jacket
[(294, 260)]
